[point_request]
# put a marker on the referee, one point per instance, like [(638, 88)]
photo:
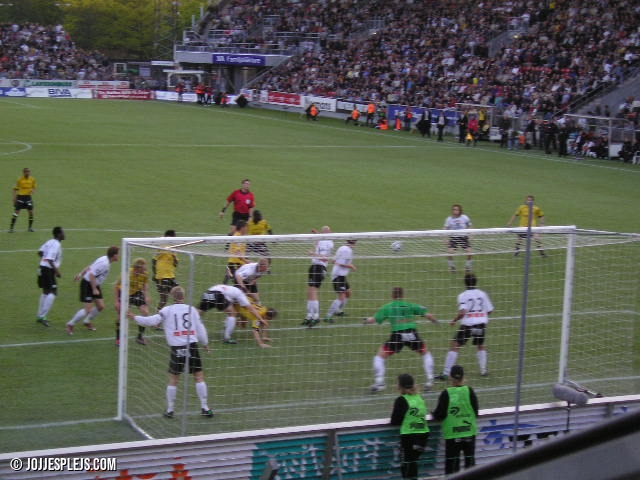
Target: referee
[(22, 192)]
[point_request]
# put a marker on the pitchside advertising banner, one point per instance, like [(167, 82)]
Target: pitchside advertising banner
[(352, 450), (59, 92), (123, 94), (13, 92), (90, 84)]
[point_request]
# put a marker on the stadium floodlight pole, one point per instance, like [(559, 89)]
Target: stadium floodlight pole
[(523, 325)]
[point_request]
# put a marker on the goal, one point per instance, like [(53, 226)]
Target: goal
[(578, 303)]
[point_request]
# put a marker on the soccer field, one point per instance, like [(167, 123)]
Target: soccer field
[(113, 169)]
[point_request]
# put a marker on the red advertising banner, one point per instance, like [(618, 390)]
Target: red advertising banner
[(282, 98), (124, 94)]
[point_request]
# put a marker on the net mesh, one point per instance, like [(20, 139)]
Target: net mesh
[(323, 374)]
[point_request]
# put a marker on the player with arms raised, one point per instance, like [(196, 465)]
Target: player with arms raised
[(401, 315), (183, 330)]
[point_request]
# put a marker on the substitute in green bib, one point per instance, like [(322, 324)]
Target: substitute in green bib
[(458, 410), (410, 414)]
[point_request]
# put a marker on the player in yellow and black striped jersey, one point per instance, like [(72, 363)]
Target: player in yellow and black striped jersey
[(237, 252), (138, 295), (164, 265), (22, 198), (257, 225)]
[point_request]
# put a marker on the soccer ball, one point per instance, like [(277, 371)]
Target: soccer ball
[(396, 246)]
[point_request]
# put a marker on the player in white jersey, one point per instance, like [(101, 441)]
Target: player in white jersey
[(247, 276), (91, 278), (230, 300), (50, 260), (474, 308), (183, 330), (342, 265), (458, 221), (317, 272)]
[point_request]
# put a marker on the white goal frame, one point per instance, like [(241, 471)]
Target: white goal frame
[(296, 246)]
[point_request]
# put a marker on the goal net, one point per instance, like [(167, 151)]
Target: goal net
[(581, 307), (613, 132)]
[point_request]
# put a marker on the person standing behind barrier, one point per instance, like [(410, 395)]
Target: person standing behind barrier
[(463, 121), (50, 260), (371, 114), (22, 198), (183, 330), (243, 204), (410, 414), (408, 118), (441, 122), (180, 89), (457, 408)]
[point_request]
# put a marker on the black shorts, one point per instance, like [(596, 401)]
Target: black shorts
[(86, 292), (209, 301), (466, 332), (404, 338), (459, 242), (164, 285), (179, 357), (316, 275), (237, 216), (137, 299), (47, 279), (258, 248), (340, 284), (250, 288), (23, 202)]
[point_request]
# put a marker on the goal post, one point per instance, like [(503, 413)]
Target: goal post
[(615, 130), (582, 305)]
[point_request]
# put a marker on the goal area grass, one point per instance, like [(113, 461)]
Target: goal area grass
[(107, 170)]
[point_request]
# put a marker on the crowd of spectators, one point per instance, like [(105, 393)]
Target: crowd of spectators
[(399, 51), (437, 56), (33, 51)]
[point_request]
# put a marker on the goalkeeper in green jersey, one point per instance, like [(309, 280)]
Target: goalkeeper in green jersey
[(401, 315)]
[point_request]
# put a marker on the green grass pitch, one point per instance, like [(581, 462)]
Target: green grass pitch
[(113, 169)]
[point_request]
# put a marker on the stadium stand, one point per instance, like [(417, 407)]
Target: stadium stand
[(33, 51), (440, 56)]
